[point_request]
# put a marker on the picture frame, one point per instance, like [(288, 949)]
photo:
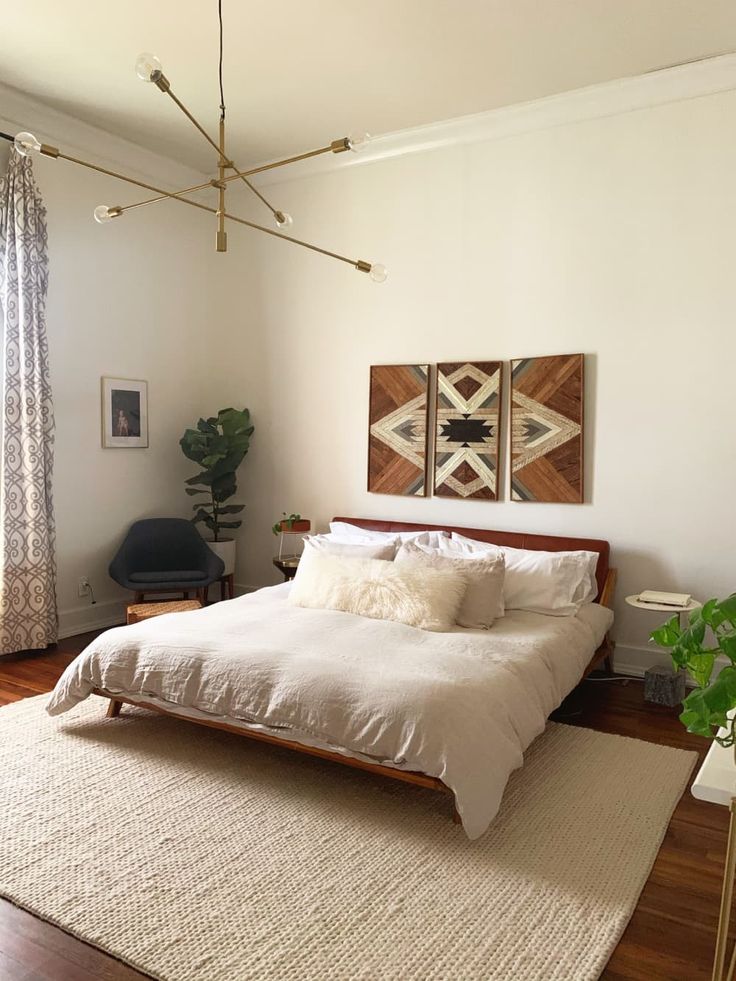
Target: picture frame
[(398, 429), (124, 413), (468, 402), (547, 429)]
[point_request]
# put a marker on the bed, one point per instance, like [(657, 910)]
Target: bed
[(449, 711)]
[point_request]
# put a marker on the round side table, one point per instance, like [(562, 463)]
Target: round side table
[(287, 567), (662, 607)]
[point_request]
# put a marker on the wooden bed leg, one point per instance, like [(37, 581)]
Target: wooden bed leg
[(113, 708)]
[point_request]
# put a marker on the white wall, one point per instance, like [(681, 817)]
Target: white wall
[(612, 236), (135, 299)]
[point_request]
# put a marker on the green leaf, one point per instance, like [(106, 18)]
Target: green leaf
[(229, 524), (700, 667), (196, 490), (727, 643), (727, 609), (707, 611), (668, 634), (231, 509), (200, 478)]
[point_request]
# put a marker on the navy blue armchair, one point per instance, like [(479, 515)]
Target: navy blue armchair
[(165, 555)]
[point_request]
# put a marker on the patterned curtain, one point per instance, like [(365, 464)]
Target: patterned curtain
[(28, 617)]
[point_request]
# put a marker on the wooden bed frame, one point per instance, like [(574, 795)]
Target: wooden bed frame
[(605, 576)]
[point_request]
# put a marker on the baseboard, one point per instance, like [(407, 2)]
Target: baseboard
[(635, 661), (99, 616), (81, 619)]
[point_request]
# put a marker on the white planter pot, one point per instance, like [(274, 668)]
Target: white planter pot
[(225, 549)]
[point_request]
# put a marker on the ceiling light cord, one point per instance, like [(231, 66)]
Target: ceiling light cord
[(222, 93)]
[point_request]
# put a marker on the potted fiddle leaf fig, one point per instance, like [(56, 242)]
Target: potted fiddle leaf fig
[(218, 445), (710, 632)]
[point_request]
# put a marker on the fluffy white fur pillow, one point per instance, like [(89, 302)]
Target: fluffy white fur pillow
[(328, 545), (483, 600), (420, 597), (554, 583)]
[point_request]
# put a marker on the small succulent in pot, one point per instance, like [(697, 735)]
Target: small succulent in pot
[(291, 524)]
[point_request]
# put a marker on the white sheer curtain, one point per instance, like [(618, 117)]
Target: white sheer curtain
[(28, 616)]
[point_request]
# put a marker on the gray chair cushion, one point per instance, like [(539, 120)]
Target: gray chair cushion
[(170, 575)]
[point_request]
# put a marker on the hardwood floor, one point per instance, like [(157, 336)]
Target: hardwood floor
[(670, 937)]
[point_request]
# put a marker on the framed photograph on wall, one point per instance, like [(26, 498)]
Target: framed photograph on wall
[(124, 413)]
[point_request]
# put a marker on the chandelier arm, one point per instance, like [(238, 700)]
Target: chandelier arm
[(297, 241), (284, 162), (202, 130), (173, 195), (162, 195), (222, 159)]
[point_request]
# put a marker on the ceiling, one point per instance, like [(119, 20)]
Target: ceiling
[(300, 73)]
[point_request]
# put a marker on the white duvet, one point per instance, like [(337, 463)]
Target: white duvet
[(461, 706)]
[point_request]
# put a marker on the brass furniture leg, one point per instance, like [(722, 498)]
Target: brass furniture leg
[(724, 918)]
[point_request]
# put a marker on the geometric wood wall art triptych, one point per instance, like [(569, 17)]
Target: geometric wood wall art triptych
[(546, 429), (397, 441), (468, 410)]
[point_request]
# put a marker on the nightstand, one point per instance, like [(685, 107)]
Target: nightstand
[(287, 567)]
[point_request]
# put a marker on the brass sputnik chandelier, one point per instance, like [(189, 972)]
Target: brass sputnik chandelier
[(148, 68)]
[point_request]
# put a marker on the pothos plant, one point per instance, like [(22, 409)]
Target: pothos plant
[(710, 631), (219, 445), (288, 520)]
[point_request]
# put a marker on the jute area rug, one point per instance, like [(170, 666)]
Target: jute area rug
[(194, 854)]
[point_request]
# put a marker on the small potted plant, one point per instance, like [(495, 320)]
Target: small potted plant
[(219, 445), (710, 632), (290, 524)]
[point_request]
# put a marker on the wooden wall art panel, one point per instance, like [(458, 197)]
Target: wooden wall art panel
[(547, 429), (467, 430), (397, 441)]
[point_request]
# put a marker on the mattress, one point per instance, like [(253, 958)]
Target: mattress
[(461, 706)]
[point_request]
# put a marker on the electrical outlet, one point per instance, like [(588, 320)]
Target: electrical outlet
[(83, 587)]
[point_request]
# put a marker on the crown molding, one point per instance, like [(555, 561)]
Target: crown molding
[(690, 81), (19, 112)]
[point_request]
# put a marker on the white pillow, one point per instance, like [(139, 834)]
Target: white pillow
[(329, 545), (345, 529), (554, 583), (483, 600), (421, 597)]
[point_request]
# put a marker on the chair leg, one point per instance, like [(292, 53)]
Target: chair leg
[(206, 596), (187, 594), (231, 586), (138, 597)]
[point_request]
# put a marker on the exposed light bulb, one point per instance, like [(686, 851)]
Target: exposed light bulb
[(378, 273), (102, 214), (26, 143), (283, 220), (147, 67), (358, 141)]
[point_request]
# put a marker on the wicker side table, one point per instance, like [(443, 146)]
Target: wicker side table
[(144, 611)]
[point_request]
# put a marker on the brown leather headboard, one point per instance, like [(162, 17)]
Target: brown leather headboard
[(515, 539)]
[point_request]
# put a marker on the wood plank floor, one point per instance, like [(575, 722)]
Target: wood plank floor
[(670, 937)]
